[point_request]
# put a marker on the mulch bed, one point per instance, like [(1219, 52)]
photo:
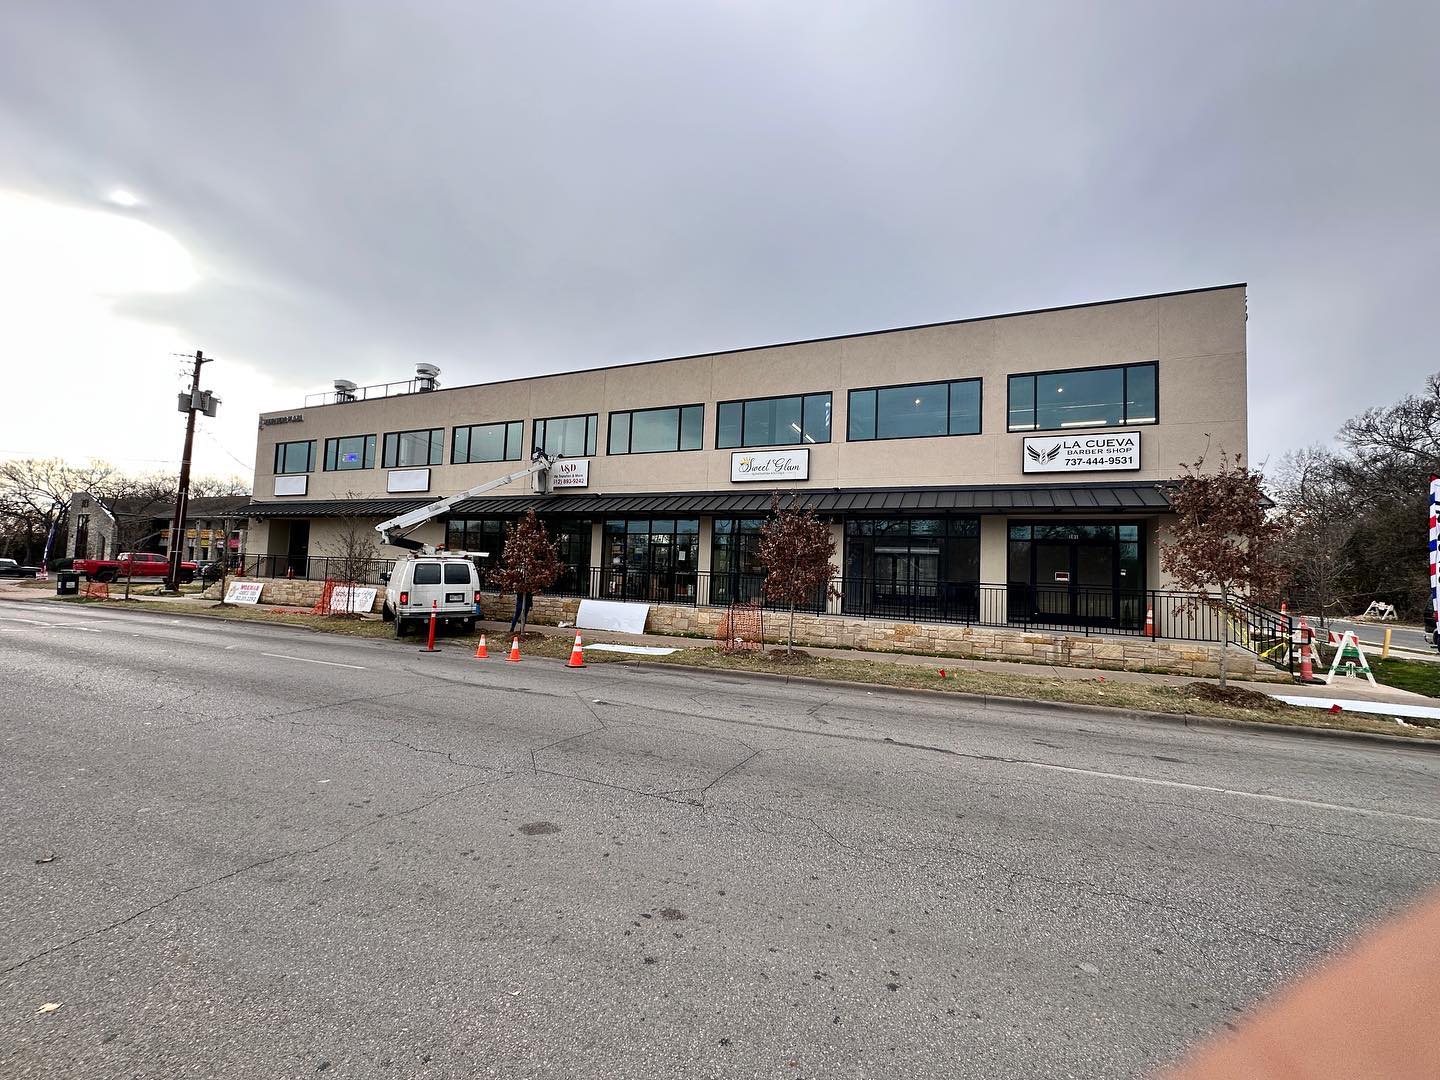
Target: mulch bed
[(1237, 696)]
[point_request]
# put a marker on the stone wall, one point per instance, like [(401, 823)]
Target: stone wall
[(1192, 658), (297, 593)]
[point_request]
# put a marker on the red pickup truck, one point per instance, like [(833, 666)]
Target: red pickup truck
[(133, 564)]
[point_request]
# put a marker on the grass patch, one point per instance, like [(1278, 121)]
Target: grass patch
[(1196, 699), (1416, 676)]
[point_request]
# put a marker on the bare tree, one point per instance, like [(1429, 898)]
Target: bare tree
[(796, 548), (530, 562), (213, 486), (1222, 545), (35, 499), (1408, 431), (352, 553), (1315, 507)]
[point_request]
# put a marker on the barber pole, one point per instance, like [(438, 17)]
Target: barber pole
[(1435, 547)]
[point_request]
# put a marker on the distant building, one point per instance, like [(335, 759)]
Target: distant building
[(101, 529)]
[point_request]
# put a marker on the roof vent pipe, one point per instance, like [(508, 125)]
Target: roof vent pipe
[(427, 377)]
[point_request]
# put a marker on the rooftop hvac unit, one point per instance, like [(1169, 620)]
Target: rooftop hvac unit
[(344, 390), (427, 377)]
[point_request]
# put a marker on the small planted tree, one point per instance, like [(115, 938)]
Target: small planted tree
[(1223, 543), (530, 561), (796, 548), (352, 552)]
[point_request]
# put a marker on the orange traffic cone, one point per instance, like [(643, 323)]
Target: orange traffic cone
[(1150, 621), (514, 657), (480, 652), (577, 658)]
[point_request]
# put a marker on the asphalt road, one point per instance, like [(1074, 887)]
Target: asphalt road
[(280, 854), (1373, 634)]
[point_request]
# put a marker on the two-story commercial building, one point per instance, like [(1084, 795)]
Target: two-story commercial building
[(990, 469)]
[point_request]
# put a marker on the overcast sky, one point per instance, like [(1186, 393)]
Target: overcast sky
[(313, 190)]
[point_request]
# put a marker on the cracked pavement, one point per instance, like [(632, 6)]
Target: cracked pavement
[(436, 866)]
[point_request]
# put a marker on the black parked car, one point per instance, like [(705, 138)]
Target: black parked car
[(11, 568)]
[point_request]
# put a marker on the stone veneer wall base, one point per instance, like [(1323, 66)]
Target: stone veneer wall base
[(1190, 658)]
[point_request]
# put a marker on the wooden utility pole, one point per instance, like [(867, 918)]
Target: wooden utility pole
[(182, 494)]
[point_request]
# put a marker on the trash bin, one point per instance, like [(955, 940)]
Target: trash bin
[(67, 583)]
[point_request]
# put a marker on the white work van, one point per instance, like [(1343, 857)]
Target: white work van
[(447, 585)]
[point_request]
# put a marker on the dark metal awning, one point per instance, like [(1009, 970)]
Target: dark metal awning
[(1009, 499)]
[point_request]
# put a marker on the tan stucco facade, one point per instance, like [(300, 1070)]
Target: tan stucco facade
[(1196, 339)]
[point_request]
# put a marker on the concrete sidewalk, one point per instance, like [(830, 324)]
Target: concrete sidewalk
[(1360, 690)]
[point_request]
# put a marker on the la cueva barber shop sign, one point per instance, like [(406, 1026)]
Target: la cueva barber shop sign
[(1096, 451), (770, 465)]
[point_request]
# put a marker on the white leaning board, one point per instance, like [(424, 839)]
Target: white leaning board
[(612, 615), (243, 592), (362, 602)]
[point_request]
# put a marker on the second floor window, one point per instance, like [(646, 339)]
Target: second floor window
[(409, 449), (567, 436), (910, 412), (1085, 398), (487, 442), (351, 452), (798, 420), (294, 457), (653, 431)]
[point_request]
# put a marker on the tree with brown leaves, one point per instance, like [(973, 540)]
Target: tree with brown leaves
[(1223, 543), (796, 548), (530, 562)]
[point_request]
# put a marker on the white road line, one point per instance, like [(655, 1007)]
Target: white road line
[(51, 626), (307, 660), (1157, 782)]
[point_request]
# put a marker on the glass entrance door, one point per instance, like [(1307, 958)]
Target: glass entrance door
[(1090, 575)]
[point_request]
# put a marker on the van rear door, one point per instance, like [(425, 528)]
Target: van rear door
[(427, 591), (458, 587)]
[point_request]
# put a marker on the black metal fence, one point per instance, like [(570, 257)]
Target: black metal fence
[(1071, 609), (315, 568)]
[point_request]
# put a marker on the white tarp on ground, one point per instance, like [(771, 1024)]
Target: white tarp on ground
[(643, 650), (612, 615), (1378, 708)]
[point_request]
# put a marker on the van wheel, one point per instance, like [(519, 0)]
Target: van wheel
[(469, 626)]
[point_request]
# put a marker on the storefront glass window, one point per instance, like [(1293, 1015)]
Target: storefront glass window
[(783, 421), (351, 452), (294, 457), (645, 559), (408, 449), (912, 567), (487, 442), (1084, 398), (653, 431), (568, 436), (736, 572), (922, 409)]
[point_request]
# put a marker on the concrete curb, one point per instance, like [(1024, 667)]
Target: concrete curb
[(999, 702)]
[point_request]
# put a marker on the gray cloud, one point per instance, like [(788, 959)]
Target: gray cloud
[(511, 188)]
